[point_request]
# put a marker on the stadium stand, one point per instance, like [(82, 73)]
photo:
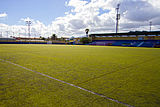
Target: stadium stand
[(133, 39)]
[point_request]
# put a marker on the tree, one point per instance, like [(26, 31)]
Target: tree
[(42, 38), (72, 38), (87, 30), (53, 37), (85, 40)]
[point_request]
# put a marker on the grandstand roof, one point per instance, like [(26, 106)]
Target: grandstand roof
[(138, 33)]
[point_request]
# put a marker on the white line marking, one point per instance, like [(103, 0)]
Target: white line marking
[(68, 83)]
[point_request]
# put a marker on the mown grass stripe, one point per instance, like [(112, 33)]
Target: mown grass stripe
[(100, 95), (123, 68)]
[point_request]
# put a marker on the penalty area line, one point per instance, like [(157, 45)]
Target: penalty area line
[(89, 91)]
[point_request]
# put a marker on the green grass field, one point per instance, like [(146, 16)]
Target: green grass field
[(127, 74)]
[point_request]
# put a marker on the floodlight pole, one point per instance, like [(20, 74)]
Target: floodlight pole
[(150, 24), (28, 24), (1, 35), (1, 32), (117, 17), (7, 33), (13, 33)]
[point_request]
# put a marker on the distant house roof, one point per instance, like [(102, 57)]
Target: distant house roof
[(128, 33)]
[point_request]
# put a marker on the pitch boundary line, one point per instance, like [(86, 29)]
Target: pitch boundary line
[(94, 93)]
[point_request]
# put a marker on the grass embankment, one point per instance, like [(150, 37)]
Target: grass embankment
[(130, 75)]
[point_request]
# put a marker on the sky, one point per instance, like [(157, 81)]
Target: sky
[(67, 18)]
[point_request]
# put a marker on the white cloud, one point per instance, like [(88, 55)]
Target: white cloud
[(3, 15), (26, 19), (37, 29), (99, 16)]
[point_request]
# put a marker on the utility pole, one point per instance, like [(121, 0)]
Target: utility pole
[(117, 17), (28, 24), (150, 24)]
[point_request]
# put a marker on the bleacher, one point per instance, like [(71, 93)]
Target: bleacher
[(133, 39), (132, 43), (148, 44)]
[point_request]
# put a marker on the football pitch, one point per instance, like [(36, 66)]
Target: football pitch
[(78, 76)]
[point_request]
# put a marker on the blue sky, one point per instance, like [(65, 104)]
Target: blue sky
[(43, 10)]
